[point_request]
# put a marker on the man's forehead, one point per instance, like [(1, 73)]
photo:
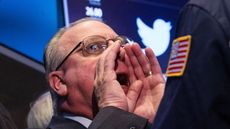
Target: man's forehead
[(89, 25), (88, 28), (78, 32)]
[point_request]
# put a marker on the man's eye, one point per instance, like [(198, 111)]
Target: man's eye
[(96, 48), (93, 47)]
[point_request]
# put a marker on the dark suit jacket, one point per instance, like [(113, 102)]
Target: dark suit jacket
[(200, 98), (58, 122), (114, 118), (107, 118)]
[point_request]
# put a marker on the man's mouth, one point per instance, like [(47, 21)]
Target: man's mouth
[(123, 80)]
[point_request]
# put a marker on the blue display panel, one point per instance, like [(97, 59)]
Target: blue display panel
[(149, 22), (26, 26)]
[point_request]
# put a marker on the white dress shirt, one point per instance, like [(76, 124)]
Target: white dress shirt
[(83, 120)]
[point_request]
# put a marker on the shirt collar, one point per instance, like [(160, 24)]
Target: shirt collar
[(83, 120)]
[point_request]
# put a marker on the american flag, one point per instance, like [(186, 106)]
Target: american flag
[(178, 57)]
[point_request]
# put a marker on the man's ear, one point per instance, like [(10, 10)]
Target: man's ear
[(57, 83)]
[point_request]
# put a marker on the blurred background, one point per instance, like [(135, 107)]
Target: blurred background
[(26, 27)]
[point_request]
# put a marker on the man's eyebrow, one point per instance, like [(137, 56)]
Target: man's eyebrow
[(110, 36)]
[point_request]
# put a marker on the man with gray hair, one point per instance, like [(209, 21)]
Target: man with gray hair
[(89, 55)]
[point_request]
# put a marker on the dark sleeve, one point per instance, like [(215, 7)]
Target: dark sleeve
[(200, 98), (6, 122), (115, 118)]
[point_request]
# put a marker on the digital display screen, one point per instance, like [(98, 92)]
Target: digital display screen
[(151, 23), (27, 26)]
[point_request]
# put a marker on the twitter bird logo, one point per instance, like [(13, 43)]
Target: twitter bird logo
[(156, 37)]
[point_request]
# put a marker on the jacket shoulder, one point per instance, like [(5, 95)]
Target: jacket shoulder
[(218, 9)]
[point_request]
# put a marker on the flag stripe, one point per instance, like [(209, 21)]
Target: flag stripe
[(176, 62), (178, 56), (173, 68), (174, 71), (176, 65)]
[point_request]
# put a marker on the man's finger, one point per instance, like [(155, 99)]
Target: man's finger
[(133, 59), (142, 59), (133, 94), (155, 66)]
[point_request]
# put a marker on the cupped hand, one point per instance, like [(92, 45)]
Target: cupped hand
[(146, 68), (107, 89)]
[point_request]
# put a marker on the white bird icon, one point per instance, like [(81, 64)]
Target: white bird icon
[(158, 37)]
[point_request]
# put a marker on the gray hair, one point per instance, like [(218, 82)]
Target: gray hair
[(53, 55), (41, 112)]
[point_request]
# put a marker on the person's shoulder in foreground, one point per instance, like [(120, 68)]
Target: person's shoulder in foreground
[(6, 121), (218, 9), (197, 93)]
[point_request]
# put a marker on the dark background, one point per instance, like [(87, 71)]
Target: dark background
[(121, 15)]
